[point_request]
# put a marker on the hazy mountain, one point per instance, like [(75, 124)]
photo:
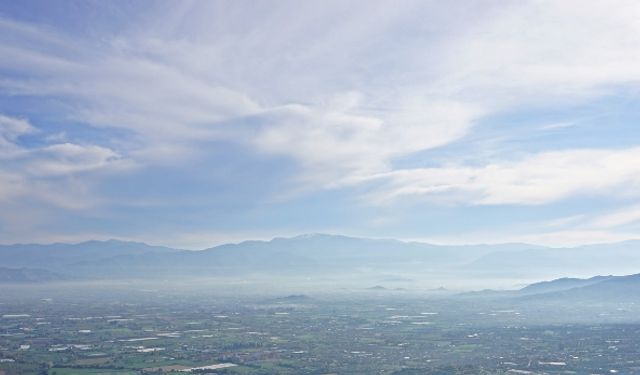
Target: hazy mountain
[(623, 288), (561, 284), (321, 255), (306, 255), (27, 275), (621, 257), (595, 289), (62, 256)]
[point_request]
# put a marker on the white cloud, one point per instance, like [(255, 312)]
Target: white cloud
[(536, 179), (10, 129), (49, 173), (68, 158), (149, 86), (342, 89), (557, 125), (340, 144), (618, 218), (545, 51)]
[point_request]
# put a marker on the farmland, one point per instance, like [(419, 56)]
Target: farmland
[(368, 332)]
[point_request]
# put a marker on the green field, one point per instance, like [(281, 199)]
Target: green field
[(75, 371)]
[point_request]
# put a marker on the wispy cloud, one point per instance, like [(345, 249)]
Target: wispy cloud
[(174, 86), (618, 218), (535, 179), (46, 173), (341, 91), (557, 125)]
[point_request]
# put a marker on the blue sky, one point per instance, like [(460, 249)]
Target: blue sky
[(194, 123)]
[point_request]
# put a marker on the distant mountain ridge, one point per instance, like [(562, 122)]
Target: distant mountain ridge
[(320, 254), (595, 289), (561, 284), (302, 255), (620, 257), (27, 275), (60, 254)]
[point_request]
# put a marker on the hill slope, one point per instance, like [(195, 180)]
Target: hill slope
[(621, 289)]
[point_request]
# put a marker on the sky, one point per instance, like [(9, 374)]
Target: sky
[(194, 123)]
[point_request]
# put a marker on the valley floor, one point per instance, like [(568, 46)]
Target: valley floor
[(140, 331)]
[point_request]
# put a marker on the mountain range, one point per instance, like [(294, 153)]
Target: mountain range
[(27, 275), (322, 254), (598, 289)]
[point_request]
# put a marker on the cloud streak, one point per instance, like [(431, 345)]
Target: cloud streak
[(48, 173), (536, 179)]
